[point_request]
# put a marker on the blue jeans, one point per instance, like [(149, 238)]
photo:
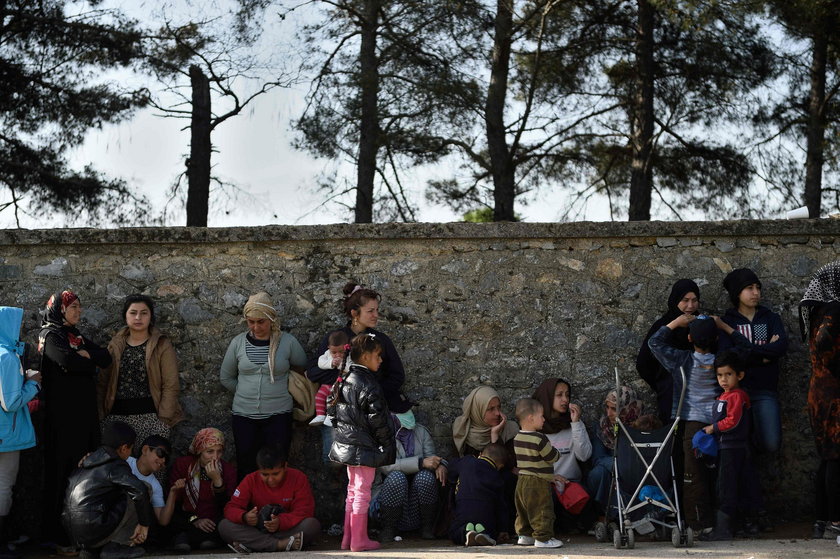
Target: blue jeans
[(327, 437), (766, 420)]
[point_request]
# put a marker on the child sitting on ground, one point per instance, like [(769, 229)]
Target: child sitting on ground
[(535, 457), (337, 348), (737, 485), (480, 508), (700, 392)]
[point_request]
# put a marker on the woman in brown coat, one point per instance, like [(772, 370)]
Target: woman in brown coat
[(819, 320), (141, 386)]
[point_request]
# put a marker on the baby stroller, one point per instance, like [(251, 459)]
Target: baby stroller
[(643, 493)]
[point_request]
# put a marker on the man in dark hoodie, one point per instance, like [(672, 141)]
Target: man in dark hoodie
[(768, 343), (107, 507)]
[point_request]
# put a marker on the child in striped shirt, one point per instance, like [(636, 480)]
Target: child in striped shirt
[(535, 458)]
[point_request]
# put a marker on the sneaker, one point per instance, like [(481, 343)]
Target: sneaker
[(114, 550), (484, 539), (525, 540), (472, 539), (237, 547), (328, 421), (181, 543), (552, 542), (318, 420), (832, 528), (204, 545), (819, 530)]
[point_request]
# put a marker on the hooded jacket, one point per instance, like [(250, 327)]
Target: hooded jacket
[(364, 432), (16, 431), (95, 501), (161, 370), (760, 375)]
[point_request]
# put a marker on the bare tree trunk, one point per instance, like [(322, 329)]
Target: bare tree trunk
[(369, 128), (501, 163), (198, 167), (641, 141), (816, 123)]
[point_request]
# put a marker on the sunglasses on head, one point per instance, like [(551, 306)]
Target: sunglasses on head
[(160, 451)]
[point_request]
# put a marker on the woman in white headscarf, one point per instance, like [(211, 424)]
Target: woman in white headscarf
[(256, 369)]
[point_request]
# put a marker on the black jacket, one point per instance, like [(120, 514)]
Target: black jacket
[(364, 432), (762, 355), (391, 373), (96, 497)]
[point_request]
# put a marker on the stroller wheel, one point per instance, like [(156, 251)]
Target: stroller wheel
[(689, 537), (617, 539), (631, 539), (601, 532), (612, 527), (676, 539)]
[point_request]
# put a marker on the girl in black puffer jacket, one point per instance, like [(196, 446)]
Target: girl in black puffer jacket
[(364, 435)]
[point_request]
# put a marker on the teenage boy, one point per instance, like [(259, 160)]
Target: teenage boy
[(700, 393), (154, 452), (272, 509), (737, 485), (107, 508), (535, 458)]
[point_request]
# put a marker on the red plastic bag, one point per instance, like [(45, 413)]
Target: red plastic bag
[(573, 498)]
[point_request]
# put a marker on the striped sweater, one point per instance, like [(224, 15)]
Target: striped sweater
[(535, 455)]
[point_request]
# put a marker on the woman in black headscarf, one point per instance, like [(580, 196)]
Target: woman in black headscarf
[(684, 299), (69, 363)]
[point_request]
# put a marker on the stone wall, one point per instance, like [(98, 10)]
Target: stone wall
[(500, 304)]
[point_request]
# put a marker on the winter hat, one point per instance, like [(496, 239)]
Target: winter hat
[(736, 280), (703, 332)]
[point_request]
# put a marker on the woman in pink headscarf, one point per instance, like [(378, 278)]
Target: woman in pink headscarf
[(203, 483)]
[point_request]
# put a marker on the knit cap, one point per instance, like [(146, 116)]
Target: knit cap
[(736, 280)]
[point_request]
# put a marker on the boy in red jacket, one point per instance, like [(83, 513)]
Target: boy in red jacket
[(737, 485), (272, 509)]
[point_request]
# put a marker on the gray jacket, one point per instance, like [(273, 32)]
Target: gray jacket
[(424, 446)]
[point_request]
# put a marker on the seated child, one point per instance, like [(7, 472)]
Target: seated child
[(272, 509), (700, 393), (154, 452), (535, 457), (106, 505), (480, 506), (333, 358), (737, 484)]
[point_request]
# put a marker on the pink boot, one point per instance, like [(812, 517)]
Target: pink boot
[(346, 539), (360, 541)]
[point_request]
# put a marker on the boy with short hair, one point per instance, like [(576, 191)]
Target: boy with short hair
[(701, 391), (535, 458), (480, 508), (154, 452), (272, 509), (737, 485), (106, 505)]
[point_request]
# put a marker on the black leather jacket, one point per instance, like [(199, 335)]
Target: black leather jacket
[(95, 501), (364, 432)]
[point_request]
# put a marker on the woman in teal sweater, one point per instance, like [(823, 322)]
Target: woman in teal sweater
[(256, 369)]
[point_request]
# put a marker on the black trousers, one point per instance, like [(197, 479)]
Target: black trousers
[(737, 487), (250, 435)]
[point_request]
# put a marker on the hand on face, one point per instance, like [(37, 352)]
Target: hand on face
[(574, 412)]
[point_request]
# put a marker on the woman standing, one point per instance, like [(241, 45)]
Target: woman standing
[(684, 299), (361, 306), (819, 322), (141, 386), (256, 369), (68, 365)]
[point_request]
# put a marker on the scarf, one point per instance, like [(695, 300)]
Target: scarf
[(629, 409), (470, 428), (205, 438), (824, 288), (679, 337), (259, 306), (554, 420), (405, 436), (52, 320)]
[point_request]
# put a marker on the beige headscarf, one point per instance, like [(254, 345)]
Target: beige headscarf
[(259, 306), (470, 427)]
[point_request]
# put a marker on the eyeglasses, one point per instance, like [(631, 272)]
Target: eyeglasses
[(160, 451)]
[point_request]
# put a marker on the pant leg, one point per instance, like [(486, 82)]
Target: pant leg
[(327, 437), (249, 536), (828, 491), (360, 479), (9, 463), (697, 500), (277, 429), (730, 462), (534, 502), (247, 436), (523, 524), (310, 527), (766, 420), (422, 493)]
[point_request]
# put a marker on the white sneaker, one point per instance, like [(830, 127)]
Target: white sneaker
[(328, 421), (318, 420), (553, 542), (525, 540)]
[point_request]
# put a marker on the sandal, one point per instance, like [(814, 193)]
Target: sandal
[(295, 539), (237, 547)]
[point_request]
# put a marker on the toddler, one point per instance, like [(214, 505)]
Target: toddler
[(480, 509), (535, 457), (336, 353), (364, 436)]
